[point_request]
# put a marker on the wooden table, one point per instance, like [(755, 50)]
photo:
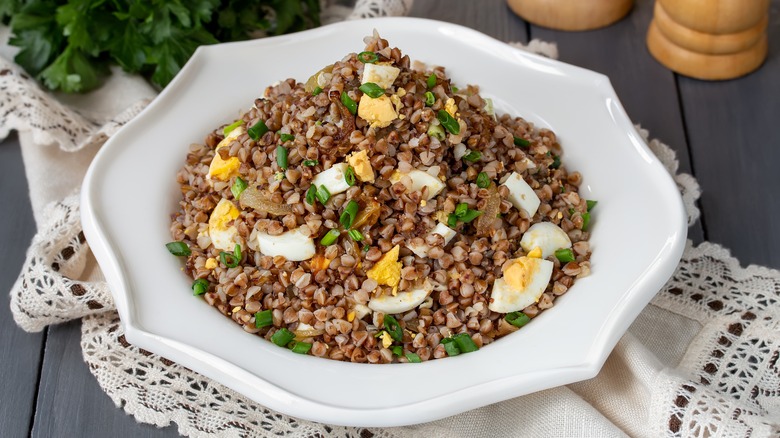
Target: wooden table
[(727, 134)]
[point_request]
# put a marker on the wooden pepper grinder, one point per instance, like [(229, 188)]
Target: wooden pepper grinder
[(571, 14), (709, 39)]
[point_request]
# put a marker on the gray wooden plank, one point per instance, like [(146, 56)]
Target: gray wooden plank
[(22, 351), (71, 403), (491, 17), (647, 89), (733, 132)]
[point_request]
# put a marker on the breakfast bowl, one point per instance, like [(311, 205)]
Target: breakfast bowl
[(637, 232)]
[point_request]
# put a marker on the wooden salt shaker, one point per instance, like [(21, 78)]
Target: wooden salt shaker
[(571, 14), (709, 39)]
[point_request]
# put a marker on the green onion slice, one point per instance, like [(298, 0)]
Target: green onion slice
[(200, 286), (585, 220), (178, 249), (465, 343), (556, 162), (349, 214), (413, 358), (461, 209), (449, 123), (455, 89), (281, 156), (517, 319), (452, 220), (286, 137), (311, 195), (348, 102), (264, 318), (239, 185), (367, 57), (229, 128), (450, 346), (591, 204), (472, 156), (330, 237), (523, 143), (437, 132), (355, 235), (430, 99), (372, 90), (257, 131), (323, 194), (564, 255), (470, 216), (310, 163), (231, 260), (483, 180), (349, 176), (282, 337), (301, 347), (431, 81), (398, 350), (316, 91), (366, 247), (393, 328)]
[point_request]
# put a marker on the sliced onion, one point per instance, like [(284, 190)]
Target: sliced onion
[(254, 198), (487, 220), (313, 81), (368, 215)]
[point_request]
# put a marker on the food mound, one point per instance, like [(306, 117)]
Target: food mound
[(377, 213)]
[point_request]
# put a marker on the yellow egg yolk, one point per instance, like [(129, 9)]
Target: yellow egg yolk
[(223, 213), (387, 271), (362, 166), (535, 253), (211, 263), (519, 272), (378, 112), (450, 107), (387, 340)]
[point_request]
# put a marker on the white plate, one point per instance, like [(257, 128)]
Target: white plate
[(638, 229)]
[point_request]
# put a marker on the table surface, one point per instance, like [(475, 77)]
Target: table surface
[(724, 133)]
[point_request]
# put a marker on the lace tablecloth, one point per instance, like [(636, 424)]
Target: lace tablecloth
[(701, 360)]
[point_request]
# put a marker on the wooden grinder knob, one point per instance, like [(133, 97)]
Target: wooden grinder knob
[(709, 39), (571, 14)]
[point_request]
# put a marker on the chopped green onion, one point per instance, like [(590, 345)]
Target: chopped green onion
[(413, 358), (564, 255), (281, 156), (517, 319), (257, 131), (393, 328), (282, 337), (470, 216), (349, 214), (229, 128), (483, 180), (452, 220), (591, 204), (366, 247), (367, 57), (398, 350), (349, 176), (301, 347), (449, 123), (200, 286), (239, 185), (585, 220), (318, 123), (472, 156), (430, 99), (311, 194), (465, 343), (556, 162), (348, 102), (286, 137), (563, 188), (454, 89), (231, 260), (330, 237), (450, 346), (437, 132), (310, 163), (323, 194), (461, 209), (178, 249), (316, 91), (431, 81), (355, 235), (264, 318), (372, 90), (523, 143)]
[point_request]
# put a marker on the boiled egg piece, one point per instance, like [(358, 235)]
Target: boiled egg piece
[(221, 233), (521, 195), (522, 284), (333, 179), (419, 179), (402, 301), (387, 270), (382, 75), (444, 231), (547, 236), (379, 112), (294, 245), (362, 166), (221, 169)]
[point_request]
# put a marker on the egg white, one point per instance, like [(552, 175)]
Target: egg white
[(444, 231), (420, 179), (505, 299), (295, 245), (547, 236), (333, 179), (521, 195), (402, 301)]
